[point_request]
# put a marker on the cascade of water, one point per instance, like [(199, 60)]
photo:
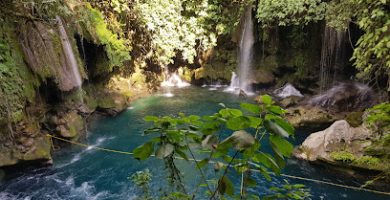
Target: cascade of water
[(72, 70), (246, 47), (242, 81), (332, 55), (174, 80), (234, 83)]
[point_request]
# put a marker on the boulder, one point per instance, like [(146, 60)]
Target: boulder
[(340, 136), (310, 118), (290, 101), (29, 144), (68, 124)]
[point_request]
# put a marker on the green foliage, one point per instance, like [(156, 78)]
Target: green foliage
[(289, 12), (378, 117), (372, 54), (16, 83), (289, 191), (185, 27), (343, 156), (249, 125), (142, 179), (117, 49), (368, 161)]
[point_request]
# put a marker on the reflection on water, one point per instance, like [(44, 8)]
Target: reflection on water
[(80, 173)]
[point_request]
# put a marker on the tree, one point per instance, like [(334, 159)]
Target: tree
[(238, 152)]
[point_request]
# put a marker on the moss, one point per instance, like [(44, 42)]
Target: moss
[(368, 161), (117, 49), (343, 156), (16, 81), (354, 119)]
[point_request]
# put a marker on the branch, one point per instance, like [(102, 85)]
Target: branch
[(224, 174)]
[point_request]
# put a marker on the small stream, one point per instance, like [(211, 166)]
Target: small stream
[(86, 173)]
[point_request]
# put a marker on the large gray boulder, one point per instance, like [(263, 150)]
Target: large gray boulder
[(340, 136)]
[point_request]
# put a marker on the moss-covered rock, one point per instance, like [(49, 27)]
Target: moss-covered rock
[(355, 119), (68, 124), (28, 145), (310, 118)]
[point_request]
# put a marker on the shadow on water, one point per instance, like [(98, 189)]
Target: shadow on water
[(86, 173)]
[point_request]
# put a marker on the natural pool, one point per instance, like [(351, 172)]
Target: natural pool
[(86, 173)]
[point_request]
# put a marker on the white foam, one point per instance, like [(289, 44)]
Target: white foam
[(174, 81)]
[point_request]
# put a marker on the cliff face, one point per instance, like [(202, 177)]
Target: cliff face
[(43, 71)]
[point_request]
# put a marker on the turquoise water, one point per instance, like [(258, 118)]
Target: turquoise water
[(80, 173)]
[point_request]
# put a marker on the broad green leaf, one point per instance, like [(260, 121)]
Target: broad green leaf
[(235, 112), (164, 151), (144, 151), (266, 99), (274, 128), (238, 123), (255, 122), (265, 173), (182, 154), (226, 186), (251, 108), (282, 145), (276, 109), (151, 118), (203, 162), (267, 160)]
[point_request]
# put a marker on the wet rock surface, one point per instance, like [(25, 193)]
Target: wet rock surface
[(310, 118)]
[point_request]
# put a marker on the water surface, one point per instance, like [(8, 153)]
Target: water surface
[(86, 173)]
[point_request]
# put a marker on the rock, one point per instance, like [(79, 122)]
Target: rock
[(68, 124), (44, 54), (74, 125), (340, 136), (263, 77), (310, 118), (40, 150), (290, 101), (29, 145), (112, 103), (287, 91), (355, 119)]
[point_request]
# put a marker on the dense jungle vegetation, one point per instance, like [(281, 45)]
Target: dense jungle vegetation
[(143, 39)]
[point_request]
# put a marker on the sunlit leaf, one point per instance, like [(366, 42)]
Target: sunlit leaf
[(251, 108), (144, 151), (282, 145)]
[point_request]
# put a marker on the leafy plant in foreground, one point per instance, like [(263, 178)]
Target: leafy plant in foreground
[(238, 152)]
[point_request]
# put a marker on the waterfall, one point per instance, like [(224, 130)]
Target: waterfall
[(246, 47), (243, 81), (332, 56), (72, 72), (174, 80)]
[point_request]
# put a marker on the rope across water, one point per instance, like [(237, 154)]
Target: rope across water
[(283, 175)]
